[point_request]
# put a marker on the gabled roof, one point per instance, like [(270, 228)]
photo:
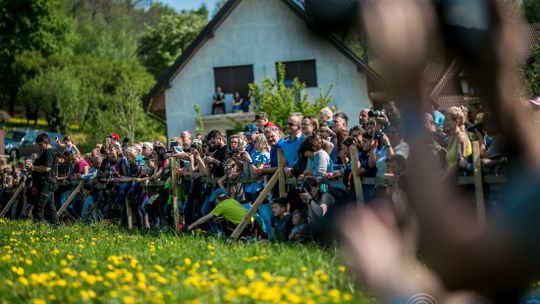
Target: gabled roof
[(208, 33), (446, 92)]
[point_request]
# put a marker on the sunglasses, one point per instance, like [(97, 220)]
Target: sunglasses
[(291, 124)]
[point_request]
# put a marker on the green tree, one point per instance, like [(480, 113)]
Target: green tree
[(280, 100), (124, 113), (531, 10), (29, 25), (532, 71), (161, 45), (57, 92)]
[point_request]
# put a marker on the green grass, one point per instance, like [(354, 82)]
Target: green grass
[(77, 263)]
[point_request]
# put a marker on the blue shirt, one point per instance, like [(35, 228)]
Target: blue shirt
[(274, 153), (290, 149), (258, 158)]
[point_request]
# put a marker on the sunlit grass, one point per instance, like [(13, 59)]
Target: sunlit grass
[(67, 264)]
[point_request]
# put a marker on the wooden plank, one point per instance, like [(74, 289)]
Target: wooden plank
[(12, 199), (70, 198), (478, 185), (262, 196), (357, 180), (174, 181), (281, 170), (129, 212)]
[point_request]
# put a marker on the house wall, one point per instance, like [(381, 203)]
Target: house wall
[(261, 33)]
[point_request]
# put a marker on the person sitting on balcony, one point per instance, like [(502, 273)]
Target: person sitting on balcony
[(261, 119), (237, 102), (219, 102)]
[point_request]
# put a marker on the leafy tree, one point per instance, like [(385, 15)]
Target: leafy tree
[(280, 100), (161, 45), (532, 71), (110, 42), (57, 92), (124, 113), (531, 10), (29, 25)]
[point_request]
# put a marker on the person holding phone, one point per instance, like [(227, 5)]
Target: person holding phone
[(44, 171)]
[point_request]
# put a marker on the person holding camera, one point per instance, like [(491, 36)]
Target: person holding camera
[(44, 171), (318, 203), (384, 146)]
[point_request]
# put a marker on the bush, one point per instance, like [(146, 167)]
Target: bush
[(280, 100)]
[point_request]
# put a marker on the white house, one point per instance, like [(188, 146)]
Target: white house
[(242, 44)]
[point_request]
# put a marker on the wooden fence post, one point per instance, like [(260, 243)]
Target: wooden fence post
[(281, 170), (70, 198), (12, 199), (478, 184), (262, 196), (357, 180), (174, 187)]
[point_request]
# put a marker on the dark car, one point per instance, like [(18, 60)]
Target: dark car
[(22, 142)]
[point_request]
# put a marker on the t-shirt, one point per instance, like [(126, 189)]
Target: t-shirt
[(320, 164), (290, 149), (79, 168), (274, 153), (47, 159), (363, 157), (281, 228), (219, 170), (231, 210)]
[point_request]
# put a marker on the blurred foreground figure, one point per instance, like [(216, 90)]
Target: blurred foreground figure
[(496, 260)]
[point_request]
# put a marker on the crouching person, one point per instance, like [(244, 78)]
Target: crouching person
[(228, 211)]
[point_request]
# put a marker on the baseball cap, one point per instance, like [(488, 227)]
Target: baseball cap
[(260, 115), (220, 193), (115, 136), (250, 129)]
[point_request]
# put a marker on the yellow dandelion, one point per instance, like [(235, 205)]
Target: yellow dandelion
[(113, 294), (187, 261), (128, 300), (250, 273), (341, 268), (160, 268), (24, 281), (347, 297), (303, 269), (38, 301)]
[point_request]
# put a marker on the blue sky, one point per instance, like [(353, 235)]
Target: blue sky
[(190, 4)]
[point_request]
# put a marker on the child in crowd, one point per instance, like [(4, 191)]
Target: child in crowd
[(299, 231), (281, 220), (67, 144), (88, 213)]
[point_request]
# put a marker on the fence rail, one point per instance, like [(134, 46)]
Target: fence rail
[(279, 177)]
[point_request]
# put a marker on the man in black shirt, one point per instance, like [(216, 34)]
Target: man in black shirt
[(218, 147), (44, 176)]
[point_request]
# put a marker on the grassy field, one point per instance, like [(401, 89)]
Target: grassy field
[(77, 263)]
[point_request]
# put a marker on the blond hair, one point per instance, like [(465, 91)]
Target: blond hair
[(457, 115), (261, 144)]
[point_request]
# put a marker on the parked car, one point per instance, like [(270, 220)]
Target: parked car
[(22, 142)]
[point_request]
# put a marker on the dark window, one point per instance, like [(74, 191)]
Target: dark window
[(305, 71), (232, 79)]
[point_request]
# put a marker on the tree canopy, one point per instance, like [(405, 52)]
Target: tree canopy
[(90, 62)]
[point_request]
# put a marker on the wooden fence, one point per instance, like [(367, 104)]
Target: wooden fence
[(279, 177)]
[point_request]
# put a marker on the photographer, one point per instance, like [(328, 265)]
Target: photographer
[(44, 177), (384, 146), (318, 202)]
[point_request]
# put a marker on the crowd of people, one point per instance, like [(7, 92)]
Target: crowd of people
[(317, 153)]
